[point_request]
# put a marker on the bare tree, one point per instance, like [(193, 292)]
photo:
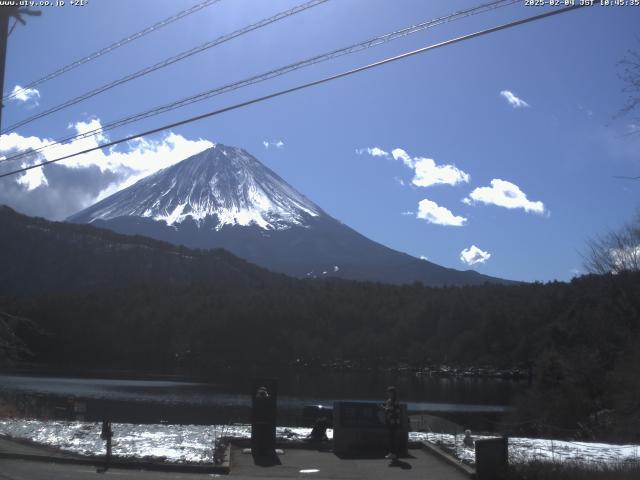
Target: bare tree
[(630, 76), (12, 347), (617, 251)]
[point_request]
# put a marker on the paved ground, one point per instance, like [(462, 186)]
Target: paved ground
[(294, 463), (297, 463), (8, 446), (30, 470)]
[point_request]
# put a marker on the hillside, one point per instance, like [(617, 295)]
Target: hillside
[(38, 255)]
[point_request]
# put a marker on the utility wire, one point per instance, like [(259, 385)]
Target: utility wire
[(169, 61), (113, 46), (371, 42), (305, 85), (15, 21)]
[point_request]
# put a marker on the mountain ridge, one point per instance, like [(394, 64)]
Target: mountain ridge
[(42, 255)]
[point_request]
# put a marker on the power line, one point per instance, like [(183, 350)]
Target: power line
[(169, 61), (113, 46), (369, 43), (15, 22), (304, 86)]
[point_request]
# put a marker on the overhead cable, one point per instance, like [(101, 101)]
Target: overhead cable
[(237, 106), (110, 48), (369, 43), (169, 61)]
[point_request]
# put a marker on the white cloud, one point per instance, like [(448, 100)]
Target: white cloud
[(427, 173), (473, 255), (434, 213), (373, 151), (64, 188), (25, 95), (408, 212), (514, 101), (377, 152), (504, 194), (400, 154), (275, 144), (32, 179), (143, 156)]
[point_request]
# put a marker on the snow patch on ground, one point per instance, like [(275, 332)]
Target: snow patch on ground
[(156, 442), (195, 443), (524, 450)]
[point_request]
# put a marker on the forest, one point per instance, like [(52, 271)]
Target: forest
[(78, 297), (580, 338)]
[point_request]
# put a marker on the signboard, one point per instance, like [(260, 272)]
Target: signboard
[(361, 415), (492, 458), (359, 428)]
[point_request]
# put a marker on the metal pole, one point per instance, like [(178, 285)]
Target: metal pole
[(5, 14), (4, 32)]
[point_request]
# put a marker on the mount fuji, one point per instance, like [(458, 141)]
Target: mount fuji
[(224, 197)]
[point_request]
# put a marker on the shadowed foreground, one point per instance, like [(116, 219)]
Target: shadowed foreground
[(297, 463), (293, 463)]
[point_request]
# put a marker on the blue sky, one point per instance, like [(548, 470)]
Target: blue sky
[(525, 184)]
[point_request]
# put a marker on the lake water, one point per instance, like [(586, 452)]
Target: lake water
[(471, 401), (193, 414)]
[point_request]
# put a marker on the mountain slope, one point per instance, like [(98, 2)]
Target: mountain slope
[(38, 255), (224, 197), (224, 182)]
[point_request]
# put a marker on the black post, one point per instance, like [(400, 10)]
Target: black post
[(492, 458), (106, 435), (5, 14), (264, 399)]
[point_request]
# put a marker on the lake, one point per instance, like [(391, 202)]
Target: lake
[(474, 402)]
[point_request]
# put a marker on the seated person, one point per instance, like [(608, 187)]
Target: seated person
[(319, 431), (468, 440)]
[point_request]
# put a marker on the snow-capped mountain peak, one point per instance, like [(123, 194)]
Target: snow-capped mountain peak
[(222, 182), (225, 198)]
